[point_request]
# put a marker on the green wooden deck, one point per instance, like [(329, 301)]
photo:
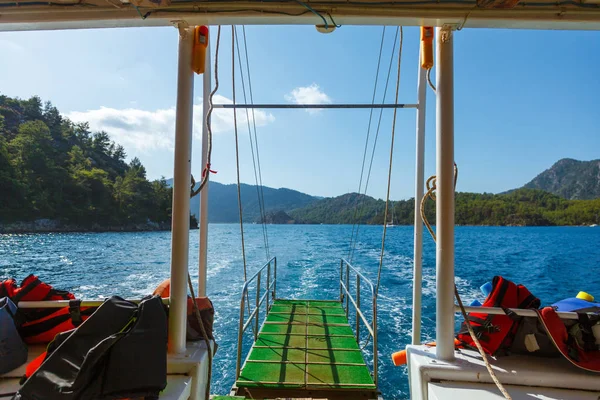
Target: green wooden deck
[(306, 346)]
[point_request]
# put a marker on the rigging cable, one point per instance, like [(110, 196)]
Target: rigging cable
[(262, 195), (260, 205), (431, 187), (206, 171), (389, 181), (237, 163), (375, 140), (362, 170), (312, 10), (431, 85)]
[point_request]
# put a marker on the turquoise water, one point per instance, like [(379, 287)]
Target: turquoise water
[(553, 262)]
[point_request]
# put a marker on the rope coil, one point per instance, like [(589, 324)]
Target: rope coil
[(206, 170), (431, 187)]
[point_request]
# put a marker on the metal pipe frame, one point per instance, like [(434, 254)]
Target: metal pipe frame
[(65, 303), (518, 311), (357, 308), (244, 324), (535, 16), (469, 309), (445, 196), (358, 311), (181, 193), (203, 212), (419, 190), (309, 106), (344, 291)]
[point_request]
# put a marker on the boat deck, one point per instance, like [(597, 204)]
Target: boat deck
[(306, 348)]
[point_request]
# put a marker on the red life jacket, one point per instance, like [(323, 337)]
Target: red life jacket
[(40, 325), (588, 359), (496, 332)]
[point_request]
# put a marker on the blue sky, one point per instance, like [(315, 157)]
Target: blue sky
[(524, 99)]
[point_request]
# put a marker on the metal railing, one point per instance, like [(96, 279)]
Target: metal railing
[(346, 267), (254, 314)]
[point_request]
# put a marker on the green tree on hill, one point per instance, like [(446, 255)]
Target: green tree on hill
[(53, 168)]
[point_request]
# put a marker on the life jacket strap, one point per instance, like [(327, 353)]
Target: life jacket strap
[(75, 312), (24, 290), (511, 314)]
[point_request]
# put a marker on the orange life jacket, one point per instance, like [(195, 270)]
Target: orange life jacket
[(496, 332), (40, 325), (205, 306), (584, 358)]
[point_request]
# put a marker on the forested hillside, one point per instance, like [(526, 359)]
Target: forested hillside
[(521, 207), (52, 168)]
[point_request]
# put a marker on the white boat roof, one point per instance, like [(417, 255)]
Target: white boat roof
[(16, 15)]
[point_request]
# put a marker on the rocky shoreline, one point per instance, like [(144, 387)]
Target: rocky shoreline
[(49, 225)]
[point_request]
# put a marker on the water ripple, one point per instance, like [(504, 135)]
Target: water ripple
[(133, 264)]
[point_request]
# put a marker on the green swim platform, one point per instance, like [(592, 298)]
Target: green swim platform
[(306, 348)]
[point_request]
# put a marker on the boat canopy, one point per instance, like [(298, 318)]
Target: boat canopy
[(18, 15)]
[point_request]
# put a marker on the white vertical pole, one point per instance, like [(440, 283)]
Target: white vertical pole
[(419, 181), (203, 220), (181, 193), (445, 195)]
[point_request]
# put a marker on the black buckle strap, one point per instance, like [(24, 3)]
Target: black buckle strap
[(75, 312), (511, 314), (585, 326)]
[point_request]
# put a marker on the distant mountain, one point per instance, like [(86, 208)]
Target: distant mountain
[(223, 202), (344, 209), (533, 205), (570, 179)]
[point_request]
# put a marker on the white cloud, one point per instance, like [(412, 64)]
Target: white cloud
[(308, 95), (149, 130)]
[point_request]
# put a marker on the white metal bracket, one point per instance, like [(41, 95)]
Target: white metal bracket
[(446, 30), (182, 26)]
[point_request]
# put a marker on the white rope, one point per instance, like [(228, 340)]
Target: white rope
[(431, 187)]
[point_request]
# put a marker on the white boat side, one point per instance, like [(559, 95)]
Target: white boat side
[(433, 374)]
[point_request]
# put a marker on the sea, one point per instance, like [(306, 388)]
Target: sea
[(553, 262)]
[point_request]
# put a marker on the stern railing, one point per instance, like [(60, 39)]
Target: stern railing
[(345, 269), (253, 317)]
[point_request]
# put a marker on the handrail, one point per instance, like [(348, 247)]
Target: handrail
[(317, 106), (254, 314), (518, 311), (65, 303), (345, 292)]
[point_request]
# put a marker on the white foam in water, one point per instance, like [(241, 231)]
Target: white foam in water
[(133, 264)]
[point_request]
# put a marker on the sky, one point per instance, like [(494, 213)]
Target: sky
[(523, 100)]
